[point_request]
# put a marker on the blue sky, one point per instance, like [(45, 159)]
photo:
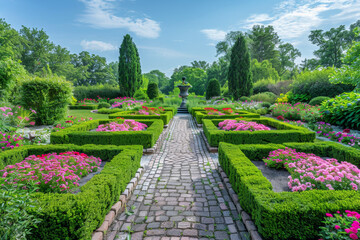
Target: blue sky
[(171, 33)]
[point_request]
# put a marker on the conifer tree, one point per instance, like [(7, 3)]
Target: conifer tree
[(239, 75), (130, 78)]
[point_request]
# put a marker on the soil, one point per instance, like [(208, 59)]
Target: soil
[(278, 177)]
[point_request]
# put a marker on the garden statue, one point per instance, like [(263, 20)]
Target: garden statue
[(184, 87)]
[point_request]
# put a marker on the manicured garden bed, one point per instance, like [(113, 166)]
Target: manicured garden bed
[(80, 134), (200, 115), (283, 133), (76, 216), (89, 107), (165, 117), (285, 215)]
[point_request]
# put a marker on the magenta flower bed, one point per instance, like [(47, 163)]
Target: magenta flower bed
[(341, 226), (51, 172), (239, 125), (309, 171), (8, 141), (128, 125)]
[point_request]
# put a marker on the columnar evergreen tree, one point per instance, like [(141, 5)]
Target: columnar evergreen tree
[(152, 90), (239, 75), (213, 89), (130, 78)]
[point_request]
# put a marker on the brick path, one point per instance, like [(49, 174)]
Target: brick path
[(181, 195)]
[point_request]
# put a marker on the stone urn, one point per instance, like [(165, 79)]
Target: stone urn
[(184, 87)]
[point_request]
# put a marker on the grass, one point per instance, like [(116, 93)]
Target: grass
[(86, 113)]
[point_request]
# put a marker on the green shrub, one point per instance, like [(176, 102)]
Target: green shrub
[(285, 215), (152, 90), (262, 85), (49, 97), (161, 99), (264, 97), (93, 92), (313, 84), (88, 107), (244, 99), (265, 104), (200, 115), (213, 89), (283, 132), (318, 100), (140, 94), (109, 110), (280, 87), (76, 216), (80, 134), (166, 116), (343, 110), (103, 105)]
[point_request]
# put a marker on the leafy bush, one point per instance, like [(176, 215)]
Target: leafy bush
[(104, 91), (140, 94), (316, 83), (49, 97), (152, 90), (343, 110), (265, 104), (263, 85), (264, 97), (11, 72), (280, 87), (244, 98), (104, 105), (284, 98), (318, 100), (213, 89)]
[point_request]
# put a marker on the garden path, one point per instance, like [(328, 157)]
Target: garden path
[(180, 195)]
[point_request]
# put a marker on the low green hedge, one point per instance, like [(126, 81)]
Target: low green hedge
[(89, 107), (76, 216), (165, 117), (284, 133), (109, 110), (285, 215), (80, 134), (200, 115)]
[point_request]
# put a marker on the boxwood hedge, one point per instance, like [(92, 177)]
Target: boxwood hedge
[(200, 115), (165, 117), (80, 134), (285, 215), (90, 107), (76, 216), (284, 133)]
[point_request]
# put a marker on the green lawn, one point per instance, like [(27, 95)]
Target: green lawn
[(86, 113)]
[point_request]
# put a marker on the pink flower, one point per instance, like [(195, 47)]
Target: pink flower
[(353, 236), (337, 227), (32, 123)]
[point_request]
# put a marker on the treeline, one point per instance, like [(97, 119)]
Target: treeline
[(38, 54)]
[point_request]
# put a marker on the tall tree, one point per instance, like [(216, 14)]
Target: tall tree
[(195, 76), (287, 55), (224, 47), (264, 41), (218, 70), (263, 70), (130, 78), (200, 64), (36, 49), (10, 42), (239, 76), (332, 44)]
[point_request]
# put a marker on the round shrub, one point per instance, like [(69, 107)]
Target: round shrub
[(318, 100), (262, 85), (265, 105), (48, 96), (104, 105), (264, 97), (140, 94), (213, 89), (152, 90), (244, 98), (95, 91)]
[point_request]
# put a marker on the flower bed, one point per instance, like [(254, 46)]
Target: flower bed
[(341, 226), (166, 116), (52, 172), (9, 141), (68, 122), (83, 106), (128, 125), (285, 215), (201, 114), (76, 216), (284, 133), (80, 134), (127, 104), (298, 111), (16, 117), (309, 171), (240, 125)]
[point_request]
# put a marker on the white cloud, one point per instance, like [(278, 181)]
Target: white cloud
[(293, 19), (214, 34), (97, 46), (99, 14), (164, 52)]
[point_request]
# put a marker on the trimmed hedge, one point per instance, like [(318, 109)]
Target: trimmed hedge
[(285, 215), (89, 107), (200, 115), (109, 110), (284, 133), (165, 117), (76, 216), (80, 134)]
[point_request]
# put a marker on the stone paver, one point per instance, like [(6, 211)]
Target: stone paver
[(180, 195)]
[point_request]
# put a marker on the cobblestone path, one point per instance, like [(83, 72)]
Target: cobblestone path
[(180, 195)]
